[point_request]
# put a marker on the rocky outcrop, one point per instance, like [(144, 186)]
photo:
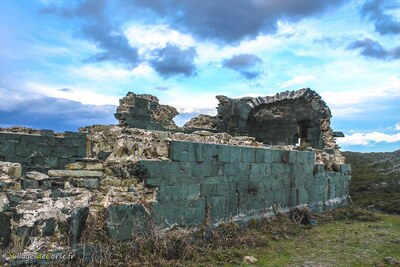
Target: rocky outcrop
[(145, 112)]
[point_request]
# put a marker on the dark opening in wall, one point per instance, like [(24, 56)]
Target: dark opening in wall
[(285, 122)]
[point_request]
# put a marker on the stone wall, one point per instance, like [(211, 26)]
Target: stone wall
[(192, 179), (210, 182), (43, 149), (132, 178)]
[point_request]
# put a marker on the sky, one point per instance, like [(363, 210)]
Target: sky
[(65, 64)]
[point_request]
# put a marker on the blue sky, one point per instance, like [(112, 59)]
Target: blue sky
[(65, 64)]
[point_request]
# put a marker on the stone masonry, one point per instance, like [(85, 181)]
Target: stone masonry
[(147, 173)]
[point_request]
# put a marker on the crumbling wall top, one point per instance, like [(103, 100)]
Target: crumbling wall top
[(145, 112)]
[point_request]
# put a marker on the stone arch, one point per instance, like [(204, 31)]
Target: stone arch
[(278, 119)]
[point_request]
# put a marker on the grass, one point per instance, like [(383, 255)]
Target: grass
[(348, 237), (344, 237), (336, 243)]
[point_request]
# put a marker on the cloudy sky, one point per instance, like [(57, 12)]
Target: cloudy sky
[(65, 64)]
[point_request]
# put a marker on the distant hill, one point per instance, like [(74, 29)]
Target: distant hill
[(375, 180)]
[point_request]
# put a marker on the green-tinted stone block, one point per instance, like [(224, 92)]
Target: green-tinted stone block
[(282, 198), (345, 168), (257, 169), (234, 178), (277, 182), (204, 169), (45, 150), (179, 151), (244, 169), (319, 193), (15, 138), (248, 154), (268, 156), (210, 152), (299, 181), (319, 168), (7, 149), (23, 149), (217, 169), (5, 230), (253, 202), (236, 155), (224, 153), (169, 213), (196, 152), (287, 168), (159, 168), (335, 177), (278, 168), (248, 187), (222, 207), (277, 156), (308, 169), (230, 169), (301, 157), (300, 196), (259, 155), (48, 227), (268, 168), (124, 222), (78, 222), (223, 189), (311, 157), (178, 192), (292, 156), (320, 179)]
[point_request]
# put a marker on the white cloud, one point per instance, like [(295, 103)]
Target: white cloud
[(83, 96), (390, 88), (346, 104), (368, 138), (397, 127), (298, 80), (188, 102), (148, 37), (144, 71)]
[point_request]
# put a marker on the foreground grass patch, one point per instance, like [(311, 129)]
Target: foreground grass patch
[(337, 243), (346, 237)]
